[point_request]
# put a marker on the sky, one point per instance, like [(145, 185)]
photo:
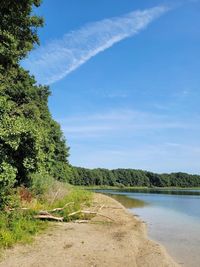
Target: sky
[(124, 77)]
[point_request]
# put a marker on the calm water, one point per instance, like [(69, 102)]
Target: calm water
[(173, 219)]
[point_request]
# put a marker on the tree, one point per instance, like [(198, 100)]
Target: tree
[(30, 140)]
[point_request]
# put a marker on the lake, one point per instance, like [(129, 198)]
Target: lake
[(172, 216)]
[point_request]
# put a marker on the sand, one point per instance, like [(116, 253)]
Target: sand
[(99, 243)]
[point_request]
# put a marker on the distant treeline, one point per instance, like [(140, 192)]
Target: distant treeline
[(131, 177)]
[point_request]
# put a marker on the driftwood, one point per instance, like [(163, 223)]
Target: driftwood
[(48, 217), (89, 212), (81, 221), (43, 214), (101, 207), (74, 213), (59, 209), (53, 210), (46, 214)]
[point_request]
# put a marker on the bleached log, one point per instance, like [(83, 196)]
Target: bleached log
[(90, 212), (49, 217), (81, 221), (59, 209)]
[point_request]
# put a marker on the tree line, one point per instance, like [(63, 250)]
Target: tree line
[(131, 177)]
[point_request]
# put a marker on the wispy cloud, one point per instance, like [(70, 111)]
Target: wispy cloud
[(58, 58), (122, 122), (157, 157), (131, 138)]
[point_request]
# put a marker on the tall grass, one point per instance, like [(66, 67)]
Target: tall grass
[(78, 199), (19, 225)]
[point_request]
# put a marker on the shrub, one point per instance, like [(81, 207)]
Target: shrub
[(40, 183), (7, 181)]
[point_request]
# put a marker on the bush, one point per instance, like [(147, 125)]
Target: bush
[(7, 181), (40, 183)]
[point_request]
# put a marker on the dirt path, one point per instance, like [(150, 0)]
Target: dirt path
[(98, 244)]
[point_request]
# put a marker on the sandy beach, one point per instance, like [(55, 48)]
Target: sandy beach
[(122, 241)]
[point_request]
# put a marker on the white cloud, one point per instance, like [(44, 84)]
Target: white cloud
[(158, 157), (133, 139), (57, 59), (116, 122)]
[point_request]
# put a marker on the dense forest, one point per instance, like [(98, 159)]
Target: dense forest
[(131, 177), (31, 142)]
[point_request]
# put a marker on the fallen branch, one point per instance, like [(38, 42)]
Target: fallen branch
[(101, 207), (81, 221), (59, 209), (44, 212), (49, 217), (89, 212), (74, 213), (97, 213), (98, 207)]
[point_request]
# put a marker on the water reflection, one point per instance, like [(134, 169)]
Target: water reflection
[(129, 202), (171, 191)]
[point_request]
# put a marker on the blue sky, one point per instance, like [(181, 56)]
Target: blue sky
[(125, 80)]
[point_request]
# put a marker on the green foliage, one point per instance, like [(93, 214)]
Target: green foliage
[(7, 181), (18, 30), (78, 198), (39, 184), (131, 177), (18, 227), (30, 140)]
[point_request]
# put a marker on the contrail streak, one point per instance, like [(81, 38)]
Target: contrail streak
[(58, 58)]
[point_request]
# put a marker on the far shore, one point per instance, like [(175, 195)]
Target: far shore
[(115, 239), (107, 187)]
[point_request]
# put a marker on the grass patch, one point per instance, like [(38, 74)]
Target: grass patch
[(79, 199), (19, 226)]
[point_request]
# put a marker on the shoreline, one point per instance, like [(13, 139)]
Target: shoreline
[(105, 187), (122, 241)]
